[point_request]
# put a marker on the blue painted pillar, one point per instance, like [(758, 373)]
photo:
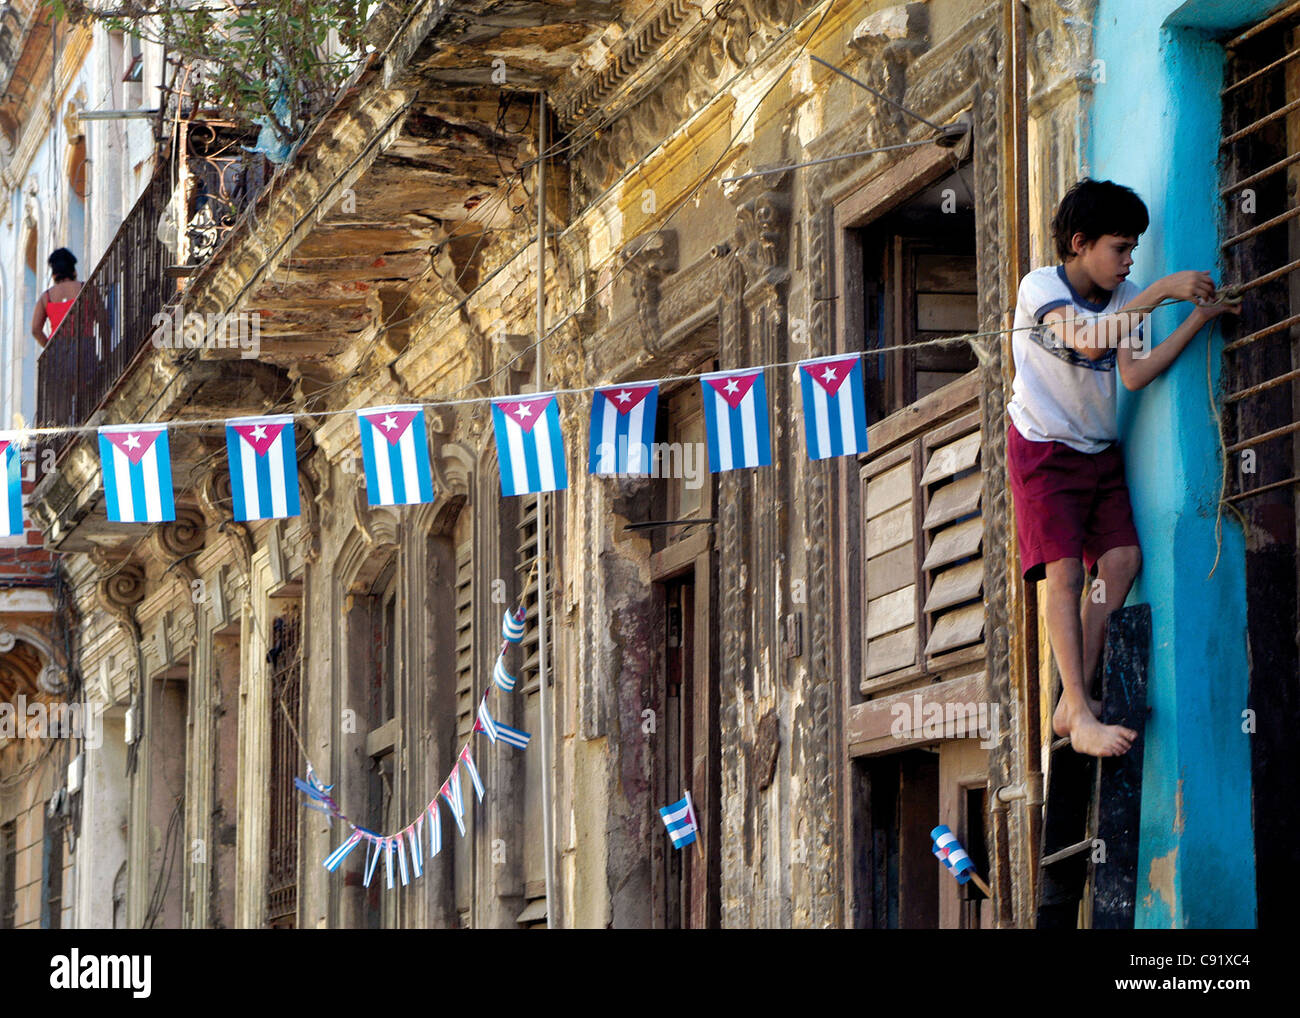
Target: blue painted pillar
[(1155, 127)]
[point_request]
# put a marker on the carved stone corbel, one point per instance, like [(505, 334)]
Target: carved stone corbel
[(120, 592), (452, 462), (763, 230), (891, 39), (648, 260)]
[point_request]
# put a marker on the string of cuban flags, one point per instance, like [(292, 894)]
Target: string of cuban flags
[(405, 847), (135, 459)]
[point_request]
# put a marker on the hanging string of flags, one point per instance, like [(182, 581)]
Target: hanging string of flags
[(135, 459), (406, 846)]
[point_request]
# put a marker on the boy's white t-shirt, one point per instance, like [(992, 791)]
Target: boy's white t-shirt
[(1058, 395)]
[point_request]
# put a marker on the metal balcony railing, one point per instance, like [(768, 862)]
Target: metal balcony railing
[(113, 316)]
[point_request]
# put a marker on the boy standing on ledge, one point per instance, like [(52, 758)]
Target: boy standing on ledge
[(1076, 325)]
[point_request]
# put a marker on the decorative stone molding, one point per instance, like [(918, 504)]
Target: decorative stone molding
[(1060, 48), (648, 260), (183, 536), (120, 592), (763, 230)]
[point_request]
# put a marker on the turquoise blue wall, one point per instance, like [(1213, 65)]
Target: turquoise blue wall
[(1155, 127)]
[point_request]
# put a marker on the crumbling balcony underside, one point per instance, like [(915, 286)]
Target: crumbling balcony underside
[(388, 210)]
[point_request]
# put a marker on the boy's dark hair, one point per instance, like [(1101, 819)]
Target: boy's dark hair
[(63, 263), (1097, 207)]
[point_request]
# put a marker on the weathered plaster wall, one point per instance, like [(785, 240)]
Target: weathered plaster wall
[(1196, 863)]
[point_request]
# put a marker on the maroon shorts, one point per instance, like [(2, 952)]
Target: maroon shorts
[(1069, 504)]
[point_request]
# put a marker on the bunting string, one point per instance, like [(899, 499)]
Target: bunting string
[(399, 864), (975, 339)]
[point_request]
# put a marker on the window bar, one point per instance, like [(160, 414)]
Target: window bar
[(1267, 436), (1271, 383), (1263, 70), (1264, 25), (1254, 231), (1264, 333), (1277, 114), (1255, 178), (1263, 488)]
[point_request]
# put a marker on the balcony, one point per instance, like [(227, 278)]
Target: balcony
[(110, 323)]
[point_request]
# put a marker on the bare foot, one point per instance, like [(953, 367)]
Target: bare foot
[(1061, 719), (1090, 736)]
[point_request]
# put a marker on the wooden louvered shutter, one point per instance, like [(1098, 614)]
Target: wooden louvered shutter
[(466, 706), (534, 913)]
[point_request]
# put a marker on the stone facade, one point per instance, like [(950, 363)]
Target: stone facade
[(712, 636)]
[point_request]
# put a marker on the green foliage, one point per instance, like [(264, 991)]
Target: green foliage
[(250, 63)]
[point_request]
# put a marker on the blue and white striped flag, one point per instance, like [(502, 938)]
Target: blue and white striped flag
[(374, 845), (435, 828), (451, 792), (679, 818), (413, 834), (504, 680), (137, 466), (949, 850), (395, 448), (401, 860), (11, 506), (623, 428), (468, 761), (485, 722), (335, 858), (512, 625), (512, 736), (263, 467), (388, 861), (735, 415), (530, 447), (834, 406)]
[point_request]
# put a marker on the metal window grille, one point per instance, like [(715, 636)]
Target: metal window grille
[(285, 656), (52, 877), (1260, 152), (8, 875)]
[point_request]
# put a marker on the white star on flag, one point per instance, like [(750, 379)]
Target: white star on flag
[(522, 411), (132, 441), (731, 386), (259, 432), (829, 375), (624, 396), (389, 422)]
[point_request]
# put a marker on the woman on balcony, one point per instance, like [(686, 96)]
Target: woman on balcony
[(53, 304)]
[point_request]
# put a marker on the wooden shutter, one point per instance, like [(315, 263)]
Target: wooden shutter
[(922, 538), (466, 708)]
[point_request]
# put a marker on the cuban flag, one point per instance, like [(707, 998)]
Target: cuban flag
[(512, 736), (435, 828), (949, 851), (11, 507), (468, 761), (137, 466), (530, 448), (504, 680), (679, 818), (395, 448), (451, 792), (735, 414), (413, 834), (485, 722), (374, 845), (623, 428), (335, 858), (512, 625), (263, 467), (834, 406)]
